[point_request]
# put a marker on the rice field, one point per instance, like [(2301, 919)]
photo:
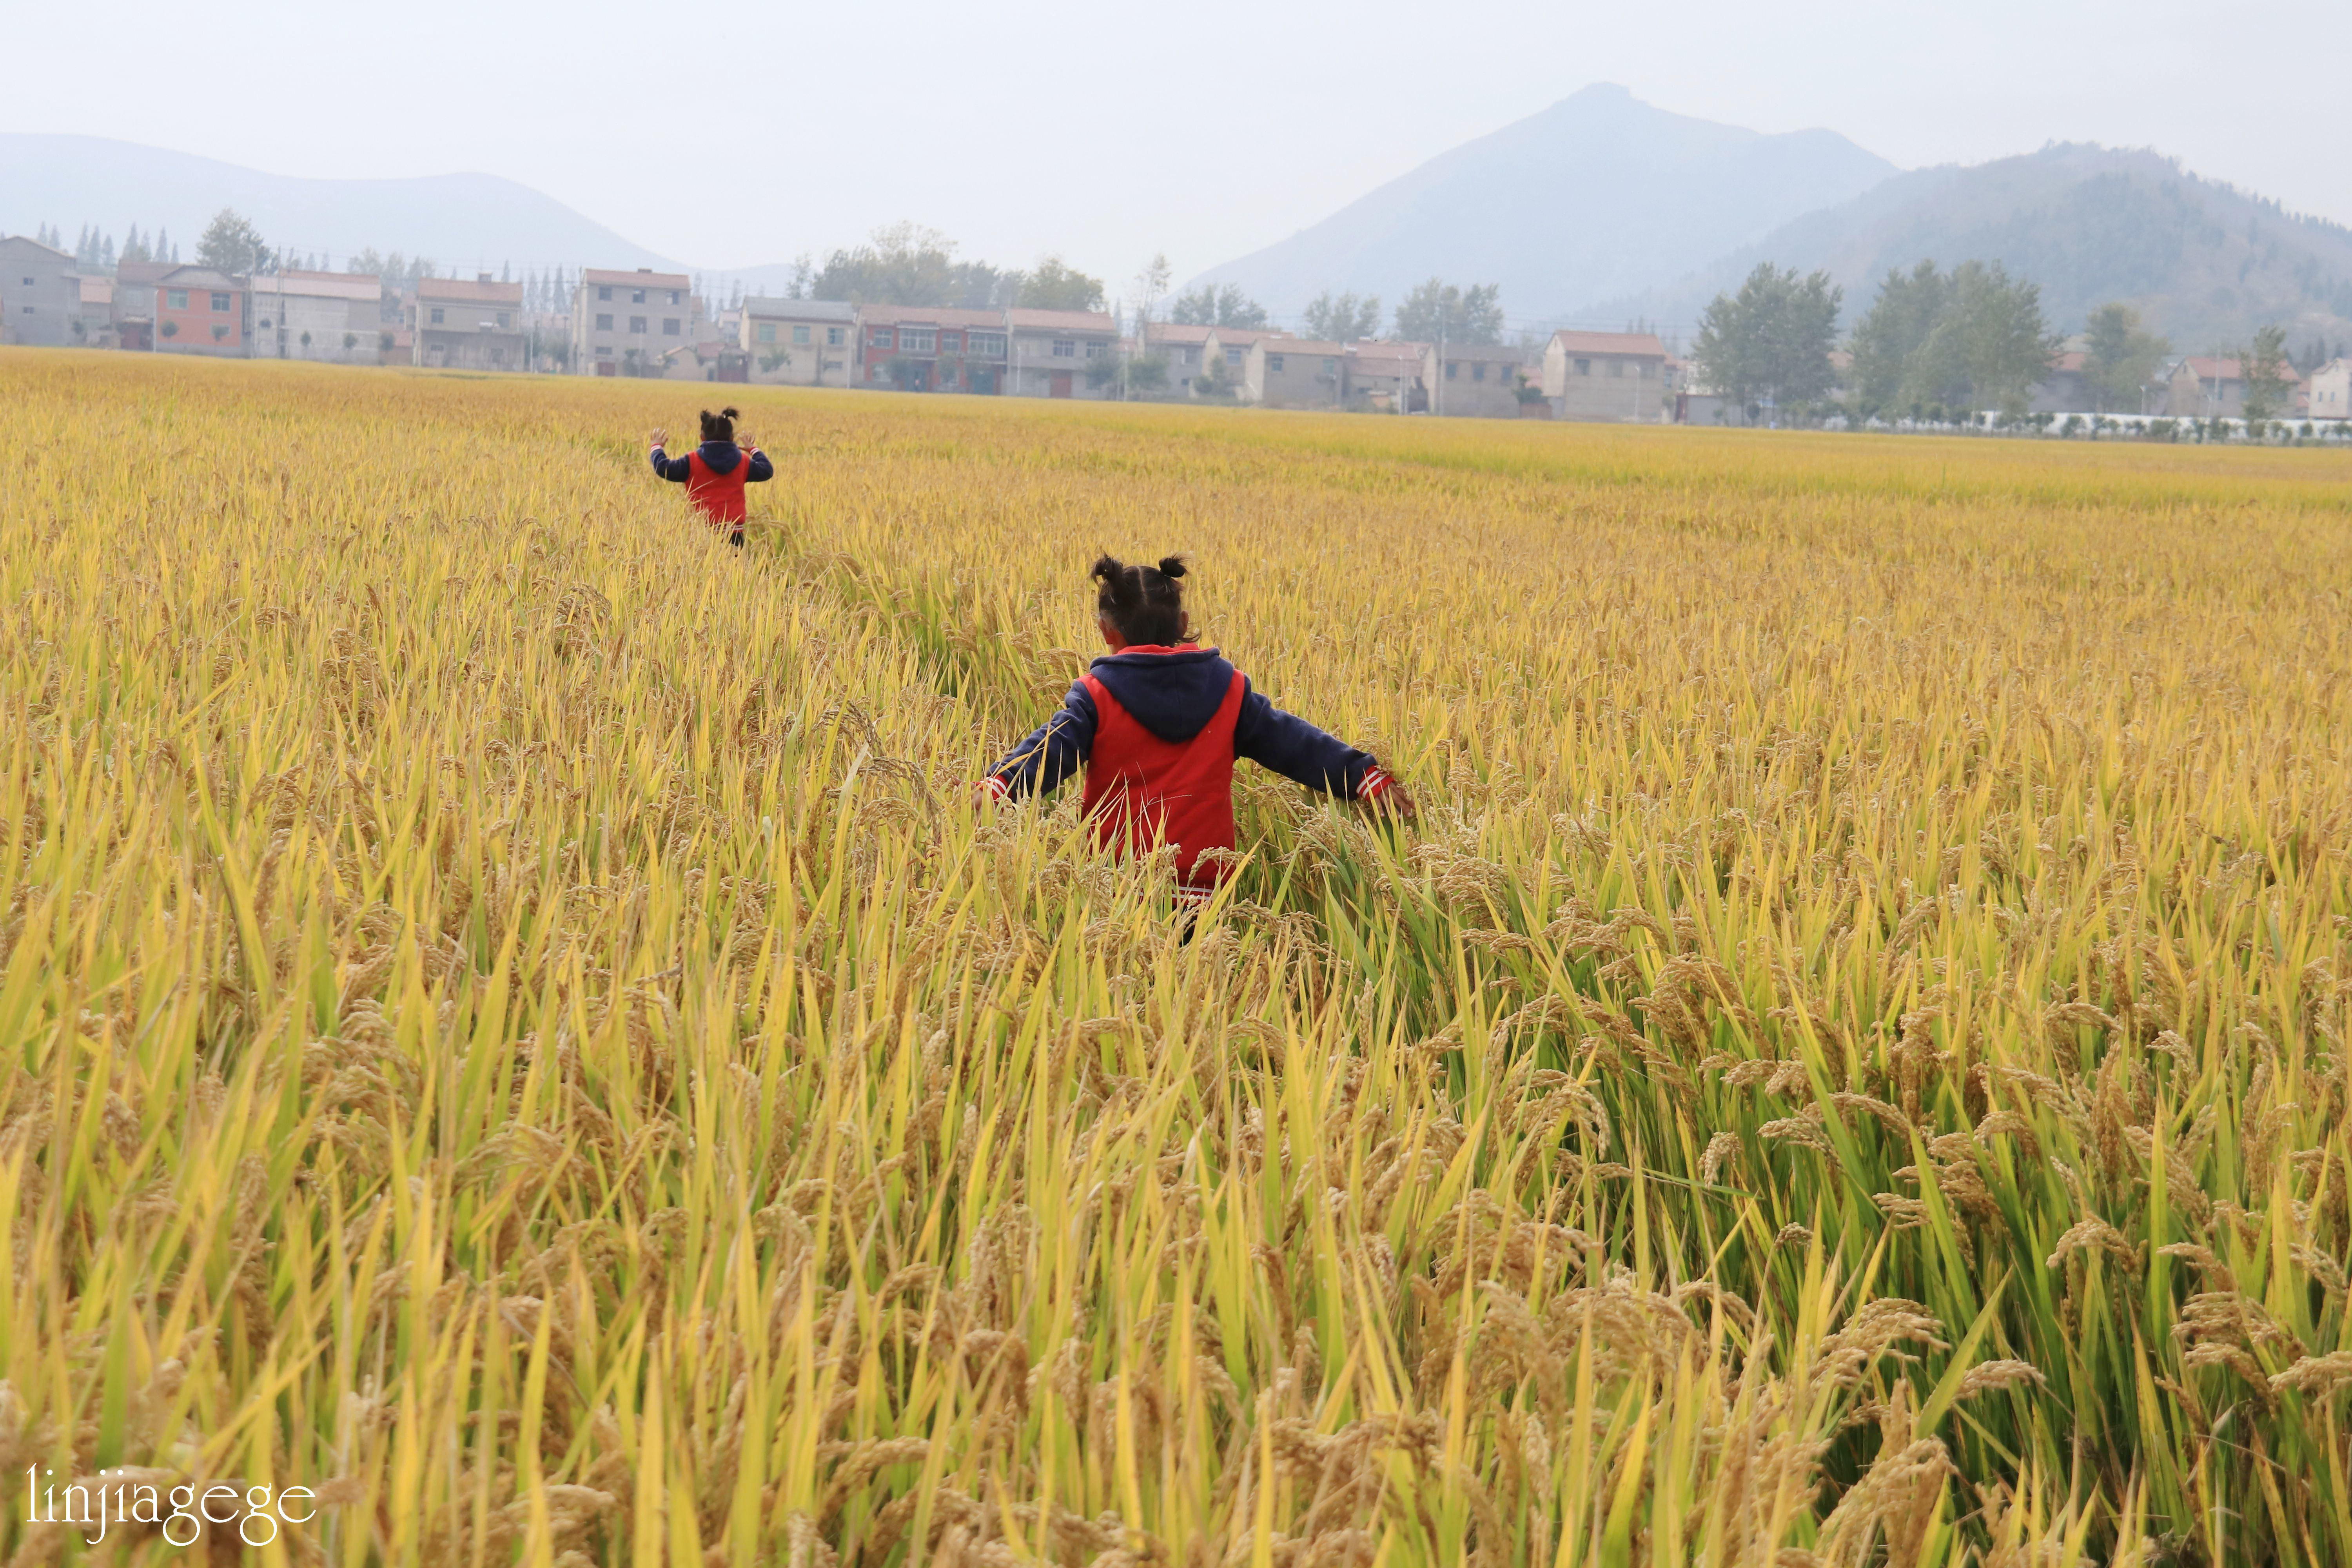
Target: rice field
[(511, 1022)]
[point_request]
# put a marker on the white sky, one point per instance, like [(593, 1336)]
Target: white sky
[(1108, 130)]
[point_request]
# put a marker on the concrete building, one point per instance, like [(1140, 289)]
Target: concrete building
[(800, 342), (1296, 372), (94, 328), (200, 311), (40, 293), (469, 326), (625, 322), (1182, 348), (1476, 380), (1618, 376), (1048, 352), (135, 302), (2331, 391), (334, 317), (915, 349), (2206, 386), (1230, 346), (1388, 378)]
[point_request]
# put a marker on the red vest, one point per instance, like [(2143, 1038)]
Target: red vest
[(1142, 791), (719, 496)]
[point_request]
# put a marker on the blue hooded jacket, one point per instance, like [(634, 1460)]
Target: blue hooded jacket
[(720, 458), (1173, 693)]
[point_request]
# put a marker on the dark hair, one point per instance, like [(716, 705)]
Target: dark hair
[(1145, 603), (720, 426)]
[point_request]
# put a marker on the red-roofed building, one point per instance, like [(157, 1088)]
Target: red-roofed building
[(2204, 386), (1388, 378), (1616, 376), (469, 326), (932, 348)]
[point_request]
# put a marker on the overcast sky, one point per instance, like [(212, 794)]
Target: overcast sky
[(1108, 130)]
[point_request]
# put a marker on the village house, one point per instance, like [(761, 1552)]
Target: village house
[(623, 323), (924, 349), (2065, 389), (334, 317), (94, 328), (1182, 348), (800, 342), (200, 311), (1048, 352), (2205, 386), (2331, 391), (1295, 373), (1605, 375), (134, 303), (1230, 346), (1388, 378), (40, 294), (1476, 380), (469, 326)]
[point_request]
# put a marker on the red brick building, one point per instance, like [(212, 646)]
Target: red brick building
[(200, 311), (925, 350)]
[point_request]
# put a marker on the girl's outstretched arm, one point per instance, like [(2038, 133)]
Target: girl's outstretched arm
[(1286, 744), (1054, 751)]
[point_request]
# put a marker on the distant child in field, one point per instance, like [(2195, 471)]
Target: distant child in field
[(1157, 724), (715, 473)]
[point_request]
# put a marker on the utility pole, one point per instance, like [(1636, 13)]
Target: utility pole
[(1437, 392)]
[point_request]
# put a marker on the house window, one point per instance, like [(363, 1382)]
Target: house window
[(879, 338), (1584, 367), (1095, 351), (948, 343), (176, 299), (673, 297), (636, 296), (603, 350), (1234, 359), (1450, 366), (604, 323), (766, 333), (917, 339), (637, 323), (265, 320), (605, 293), (1064, 349), (800, 337), (1478, 371), (833, 337), (985, 346), (1274, 363), (220, 305), (1330, 367), (436, 315), (670, 326), (502, 321)]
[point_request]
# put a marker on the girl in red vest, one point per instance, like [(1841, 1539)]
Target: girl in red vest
[(1157, 725), (715, 473)]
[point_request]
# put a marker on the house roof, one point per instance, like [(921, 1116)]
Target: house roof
[(1638, 344), (1060, 321), (643, 278), (36, 245), (2069, 362), (461, 291), (1243, 337), (200, 278), (98, 291), (1307, 346), (357, 285), (1489, 351), (800, 309), (929, 316), (1389, 359), (141, 272)]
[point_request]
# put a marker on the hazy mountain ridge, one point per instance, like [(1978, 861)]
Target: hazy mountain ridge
[(2203, 262), (462, 222), (1590, 199)]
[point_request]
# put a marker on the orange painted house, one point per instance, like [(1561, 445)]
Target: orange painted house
[(200, 311)]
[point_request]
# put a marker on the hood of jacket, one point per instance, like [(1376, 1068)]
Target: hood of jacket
[(1171, 691), (719, 457)]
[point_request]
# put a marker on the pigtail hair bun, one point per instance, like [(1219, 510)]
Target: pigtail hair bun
[(1171, 566), (729, 414), (1118, 582)]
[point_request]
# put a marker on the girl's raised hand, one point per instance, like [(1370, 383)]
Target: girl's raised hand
[(661, 439)]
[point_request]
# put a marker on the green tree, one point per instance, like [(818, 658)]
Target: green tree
[(900, 263), (2268, 376), (1151, 285), (2119, 358), (1907, 307), (230, 244), (1772, 339), (1342, 318), (1210, 306), (1989, 348), (1055, 285), (1471, 315)]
